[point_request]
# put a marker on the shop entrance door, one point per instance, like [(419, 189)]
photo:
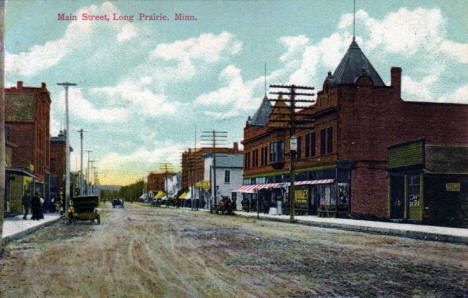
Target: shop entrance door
[(397, 197)]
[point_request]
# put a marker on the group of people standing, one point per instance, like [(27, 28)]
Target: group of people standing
[(36, 205)]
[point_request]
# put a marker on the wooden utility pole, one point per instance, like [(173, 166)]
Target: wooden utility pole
[(2, 117), (81, 177), (66, 85), (214, 138), (294, 121)]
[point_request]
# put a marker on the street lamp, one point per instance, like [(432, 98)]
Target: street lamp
[(67, 144)]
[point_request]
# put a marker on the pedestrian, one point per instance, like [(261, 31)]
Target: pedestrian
[(41, 208), (26, 201), (35, 206)]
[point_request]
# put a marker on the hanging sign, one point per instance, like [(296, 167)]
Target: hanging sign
[(452, 186), (293, 144)]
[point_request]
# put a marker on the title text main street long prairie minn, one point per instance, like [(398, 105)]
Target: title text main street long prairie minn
[(129, 18)]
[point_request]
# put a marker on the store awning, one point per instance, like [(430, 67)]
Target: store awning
[(253, 188), (309, 182), (19, 171), (205, 184), (246, 188), (159, 195)]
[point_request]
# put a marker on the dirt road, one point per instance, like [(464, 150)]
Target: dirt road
[(144, 252)]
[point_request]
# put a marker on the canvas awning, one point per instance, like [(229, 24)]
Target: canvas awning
[(253, 188), (159, 195), (19, 171), (205, 184)]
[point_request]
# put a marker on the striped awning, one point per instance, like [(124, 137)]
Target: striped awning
[(254, 187), (308, 182), (246, 188)]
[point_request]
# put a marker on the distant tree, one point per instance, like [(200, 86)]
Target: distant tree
[(132, 192)]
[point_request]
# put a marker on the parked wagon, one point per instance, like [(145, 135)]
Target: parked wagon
[(84, 208)]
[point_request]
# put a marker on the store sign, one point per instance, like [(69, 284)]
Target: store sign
[(301, 195), (452, 186), (293, 144)]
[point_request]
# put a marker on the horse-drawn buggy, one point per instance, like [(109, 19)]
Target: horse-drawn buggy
[(84, 208), (226, 206)]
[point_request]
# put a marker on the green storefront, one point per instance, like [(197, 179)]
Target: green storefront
[(428, 183)]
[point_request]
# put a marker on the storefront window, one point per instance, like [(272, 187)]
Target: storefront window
[(343, 194), (413, 191)]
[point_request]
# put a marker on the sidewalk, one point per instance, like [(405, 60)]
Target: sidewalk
[(423, 232), (15, 227)]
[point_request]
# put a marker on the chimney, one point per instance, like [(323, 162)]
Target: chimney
[(396, 79), (235, 147), (43, 86), (19, 84)]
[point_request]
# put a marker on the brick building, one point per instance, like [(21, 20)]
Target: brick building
[(342, 162), (193, 163), (58, 155), (27, 118), (156, 181)]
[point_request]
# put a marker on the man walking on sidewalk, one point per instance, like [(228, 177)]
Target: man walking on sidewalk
[(26, 201)]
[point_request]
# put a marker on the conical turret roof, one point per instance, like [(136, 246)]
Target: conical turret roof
[(352, 65), (260, 118)]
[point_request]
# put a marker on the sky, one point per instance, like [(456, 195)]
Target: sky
[(146, 89)]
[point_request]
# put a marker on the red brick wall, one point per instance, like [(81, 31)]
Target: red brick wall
[(22, 134), (58, 154), (156, 181), (32, 137), (369, 189)]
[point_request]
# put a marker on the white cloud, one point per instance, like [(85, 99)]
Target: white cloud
[(459, 96), (294, 44), (457, 51), (127, 33), (222, 115), (408, 32), (207, 47), (139, 100), (77, 34), (190, 55), (421, 90), (236, 94), (85, 110), (54, 126)]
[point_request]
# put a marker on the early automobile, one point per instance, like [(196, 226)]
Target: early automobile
[(84, 208), (117, 203)]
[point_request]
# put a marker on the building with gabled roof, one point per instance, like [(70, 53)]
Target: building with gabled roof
[(342, 162)]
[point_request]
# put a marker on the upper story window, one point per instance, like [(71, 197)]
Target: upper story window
[(7, 133), (277, 151), (227, 176), (255, 158), (247, 160), (329, 139), (307, 145), (312, 144), (264, 157), (299, 148), (322, 141)]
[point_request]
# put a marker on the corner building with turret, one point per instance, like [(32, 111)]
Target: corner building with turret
[(341, 166)]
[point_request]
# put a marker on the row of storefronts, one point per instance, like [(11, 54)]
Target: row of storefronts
[(345, 158)]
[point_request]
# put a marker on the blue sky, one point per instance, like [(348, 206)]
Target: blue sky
[(144, 87)]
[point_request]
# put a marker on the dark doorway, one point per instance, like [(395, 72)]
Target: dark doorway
[(397, 197)]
